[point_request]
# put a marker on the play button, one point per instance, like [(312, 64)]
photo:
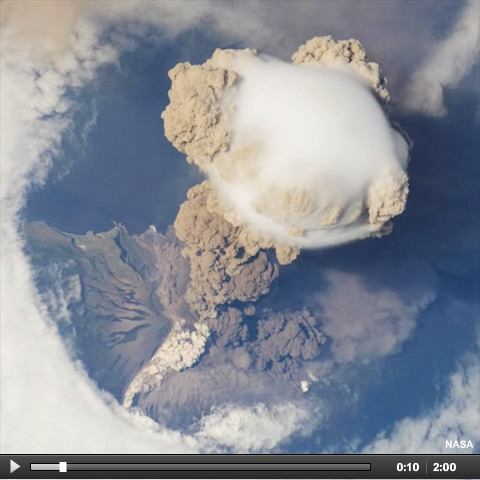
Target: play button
[(13, 466)]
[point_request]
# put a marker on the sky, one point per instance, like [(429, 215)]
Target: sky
[(82, 146)]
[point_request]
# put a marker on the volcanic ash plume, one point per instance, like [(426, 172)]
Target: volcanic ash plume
[(299, 155)]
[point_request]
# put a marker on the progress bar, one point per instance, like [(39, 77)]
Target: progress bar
[(105, 467)]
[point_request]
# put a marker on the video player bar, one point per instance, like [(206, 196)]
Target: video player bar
[(239, 466)]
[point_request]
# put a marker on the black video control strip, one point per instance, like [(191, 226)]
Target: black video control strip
[(239, 466)]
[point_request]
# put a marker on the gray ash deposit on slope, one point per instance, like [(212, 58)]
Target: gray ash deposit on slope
[(252, 357), (111, 294)]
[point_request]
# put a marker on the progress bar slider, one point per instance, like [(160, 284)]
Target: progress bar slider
[(50, 467), (103, 467)]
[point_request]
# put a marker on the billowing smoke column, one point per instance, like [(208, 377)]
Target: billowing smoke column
[(297, 155)]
